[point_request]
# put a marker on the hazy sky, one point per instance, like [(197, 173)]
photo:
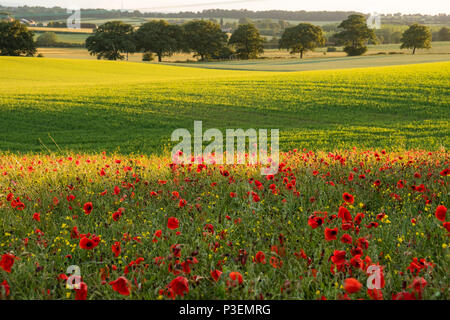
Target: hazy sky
[(379, 6)]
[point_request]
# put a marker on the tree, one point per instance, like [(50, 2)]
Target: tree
[(16, 39), (247, 40), (111, 40), (159, 37), (205, 38), (47, 39), (444, 34), (355, 35), (416, 37), (302, 38)]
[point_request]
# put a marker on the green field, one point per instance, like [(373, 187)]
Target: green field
[(132, 107)]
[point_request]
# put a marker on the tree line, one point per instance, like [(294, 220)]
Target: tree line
[(115, 39), (58, 13)]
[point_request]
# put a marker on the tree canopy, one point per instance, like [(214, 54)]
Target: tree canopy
[(111, 40), (416, 37), (302, 38), (247, 40), (159, 37), (16, 39), (355, 35), (205, 38)]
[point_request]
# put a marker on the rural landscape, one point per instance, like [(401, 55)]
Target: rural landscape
[(94, 206)]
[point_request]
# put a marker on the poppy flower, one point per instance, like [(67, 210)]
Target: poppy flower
[(121, 285), (7, 262), (236, 277), (447, 226), (351, 285), (346, 238), (86, 243), (81, 292), (88, 207), (348, 198), (344, 214), (260, 257), (331, 234), (173, 223), (338, 257), (179, 286), (37, 216), (215, 274), (116, 248), (441, 212), (5, 288)]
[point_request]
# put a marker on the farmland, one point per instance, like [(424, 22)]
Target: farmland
[(128, 107), (86, 180)]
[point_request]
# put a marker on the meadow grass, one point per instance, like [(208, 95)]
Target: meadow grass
[(128, 107)]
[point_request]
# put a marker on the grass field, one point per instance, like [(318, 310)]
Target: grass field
[(129, 107)]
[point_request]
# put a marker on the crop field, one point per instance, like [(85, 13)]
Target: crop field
[(86, 180), (127, 107)]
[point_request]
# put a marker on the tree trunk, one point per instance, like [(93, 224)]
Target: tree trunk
[(301, 54), (414, 50), (159, 57)]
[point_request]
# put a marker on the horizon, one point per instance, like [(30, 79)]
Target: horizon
[(432, 7)]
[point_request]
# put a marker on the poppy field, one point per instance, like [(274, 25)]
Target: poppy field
[(92, 206), (140, 227)]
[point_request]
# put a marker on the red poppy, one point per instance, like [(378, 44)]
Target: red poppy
[(236, 277), (215, 274), (331, 234), (87, 244), (344, 214), (88, 208), (348, 198), (116, 248), (37, 216), (182, 203), (121, 285), (7, 262), (441, 212), (173, 223), (447, 226), (81, 292), (338, 257), (5, 289), (260, 257), (351, 285), (179, 286), (346, 238)]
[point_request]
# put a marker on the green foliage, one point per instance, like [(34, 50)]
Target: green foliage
[(355, 35), (205, 38), (47, 39), (160, 37), (148, 56), (247, 41), (302, 38), (16, 39), (444, 34), (111, 40), (416, 37)]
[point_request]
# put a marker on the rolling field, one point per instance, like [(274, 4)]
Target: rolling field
[(93, 106), (92, 207)]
